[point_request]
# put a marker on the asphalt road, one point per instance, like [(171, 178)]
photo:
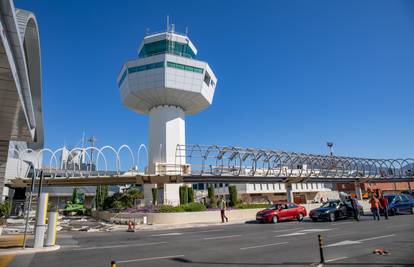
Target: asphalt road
[(347, 243)]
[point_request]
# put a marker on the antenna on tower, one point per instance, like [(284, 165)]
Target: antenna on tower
[(172, 28), (147, 31), (186, 30), (168, 23)]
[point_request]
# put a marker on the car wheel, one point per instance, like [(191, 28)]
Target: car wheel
[(392, 212), (412, 210), (275, 219), (300, 217), (314, 220), (332, 217)]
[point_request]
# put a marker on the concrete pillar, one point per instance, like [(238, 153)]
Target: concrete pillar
[(40, 227), (148, 193), (358, 191), (51, 228), (166, 131), (171, 194), (289, 192)]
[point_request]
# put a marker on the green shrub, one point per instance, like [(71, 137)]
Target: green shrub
[(5, 209), (251, 206), (190, 207), (190, 195), (183, 195), (233, 195), (194, 207), (74, 207), (169, 209), (154, 192)]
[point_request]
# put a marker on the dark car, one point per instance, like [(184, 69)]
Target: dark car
[(334, 210), (400, 204), (282, 211)]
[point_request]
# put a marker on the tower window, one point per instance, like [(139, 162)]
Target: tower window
[(207, 78)]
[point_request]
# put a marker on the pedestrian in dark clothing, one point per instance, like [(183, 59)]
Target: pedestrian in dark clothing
[(384, 205), (354, 205), (375, 207)]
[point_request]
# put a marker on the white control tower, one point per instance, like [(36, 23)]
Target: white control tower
[(166, 82)]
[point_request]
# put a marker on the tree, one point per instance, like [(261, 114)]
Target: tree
[(154, 196), (101, 194), (183, 195), (233, 195), (190, 195), (212, 196)]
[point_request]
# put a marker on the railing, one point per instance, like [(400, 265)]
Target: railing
[(199, 160), (235, 161)]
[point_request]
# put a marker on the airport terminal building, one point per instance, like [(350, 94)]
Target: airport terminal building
[(20, 93)]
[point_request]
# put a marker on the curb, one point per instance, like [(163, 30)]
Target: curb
[(21, 251)]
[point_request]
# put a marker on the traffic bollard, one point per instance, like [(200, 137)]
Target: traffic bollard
[(51, 229), (113, 264), (320, 241)]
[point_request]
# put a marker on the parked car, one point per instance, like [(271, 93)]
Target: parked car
[(282, 211), (400, 204), (334, 210)]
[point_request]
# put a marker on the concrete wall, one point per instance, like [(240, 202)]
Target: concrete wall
[(191, 217)]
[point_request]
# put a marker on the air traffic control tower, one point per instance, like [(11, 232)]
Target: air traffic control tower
[(167, 83)]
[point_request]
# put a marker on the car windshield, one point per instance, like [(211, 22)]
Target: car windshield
[(331, 204), (278, 206)]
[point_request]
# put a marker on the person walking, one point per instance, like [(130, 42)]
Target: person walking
[(222, 206), (375, 207), (384, 205), (354, 206)]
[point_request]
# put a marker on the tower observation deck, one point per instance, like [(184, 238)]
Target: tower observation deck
[(166, 82)]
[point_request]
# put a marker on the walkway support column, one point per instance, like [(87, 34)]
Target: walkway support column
[(40, 228), (358, 191), (289, 192)]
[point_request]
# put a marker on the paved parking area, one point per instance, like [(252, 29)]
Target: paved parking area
[(347, 243)]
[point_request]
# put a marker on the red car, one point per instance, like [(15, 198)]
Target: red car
[(282, 211)]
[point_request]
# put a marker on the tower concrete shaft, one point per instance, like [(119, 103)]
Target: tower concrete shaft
[(166, 131)]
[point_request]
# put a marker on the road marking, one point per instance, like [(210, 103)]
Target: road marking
[(352, 242), (285, 230), (376, 237), (306, 231), (262, 246), (220, 237), (343, 243), (168, 234), (291, 234), (205, 231), (153, 258), (120, 246), (336, 259), (317, 230)]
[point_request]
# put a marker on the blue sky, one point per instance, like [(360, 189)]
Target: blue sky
[(292, 74)]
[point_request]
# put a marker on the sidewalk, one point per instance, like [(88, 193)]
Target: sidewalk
[(21, 251)]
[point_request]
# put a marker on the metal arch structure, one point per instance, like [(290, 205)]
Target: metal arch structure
[(226, 161), (209, 164)]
